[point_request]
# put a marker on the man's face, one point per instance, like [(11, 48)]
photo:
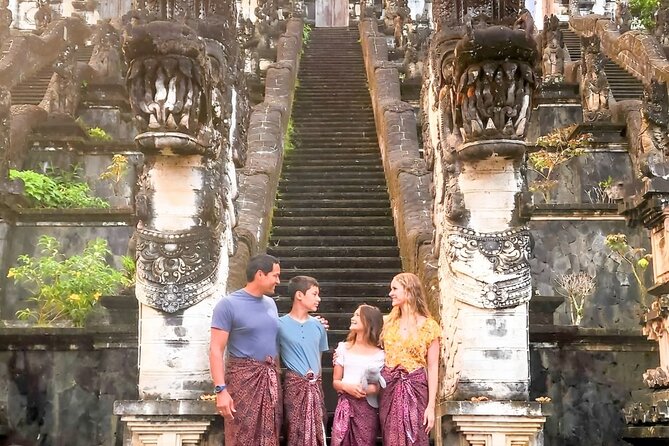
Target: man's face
[(270, 280)]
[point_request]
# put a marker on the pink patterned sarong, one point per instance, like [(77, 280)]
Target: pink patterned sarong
[(356, 423), (254, 388), (304, 409), (402, 407)]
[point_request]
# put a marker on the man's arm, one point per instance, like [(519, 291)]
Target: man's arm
[(217, 344)]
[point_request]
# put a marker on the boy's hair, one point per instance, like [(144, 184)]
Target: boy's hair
[(261, 262), (300, 283), (372, 319)]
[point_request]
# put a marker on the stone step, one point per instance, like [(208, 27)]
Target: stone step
[(338, 181), (348, 169), (339, 211), (337, 231), (293, 187), (351, 275), (304, 252), (340, 261), (342, 288), (335, 178), (317, 203), (377, 240), (305, 193), (364, 221), (298, 156)]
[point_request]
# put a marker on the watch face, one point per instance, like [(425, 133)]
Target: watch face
[(219, 389)]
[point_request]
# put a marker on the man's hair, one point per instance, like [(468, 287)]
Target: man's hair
[(300, 283), (261, 262)]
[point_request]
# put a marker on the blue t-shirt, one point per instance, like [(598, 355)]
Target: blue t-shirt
[(252, 322), (301, 344)]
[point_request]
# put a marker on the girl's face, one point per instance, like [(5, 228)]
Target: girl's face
[(357, 324), (398, 294)]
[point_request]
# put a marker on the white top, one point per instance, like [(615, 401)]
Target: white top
[(356, 365)]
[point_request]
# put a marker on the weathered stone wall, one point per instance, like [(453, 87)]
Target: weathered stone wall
[(589, 375), (57, 386), (637, 52), (575, 242), (73, 229), (259, 178), (406, 172)]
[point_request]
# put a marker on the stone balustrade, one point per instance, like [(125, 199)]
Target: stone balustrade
[(259, 178), (638, 52), (406, 172)]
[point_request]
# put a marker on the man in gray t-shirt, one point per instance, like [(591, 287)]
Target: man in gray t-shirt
[(246, 382)]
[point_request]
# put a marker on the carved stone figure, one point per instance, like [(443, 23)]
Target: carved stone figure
[(106, 59), (553, 59), (5, 20), (623, 16), (43, 16), (595, 88), (655, 140), (661, 30), (63, 99)]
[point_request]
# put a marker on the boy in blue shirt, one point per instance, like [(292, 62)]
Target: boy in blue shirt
[(302, 339)]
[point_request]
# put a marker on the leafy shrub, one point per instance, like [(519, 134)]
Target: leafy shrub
[(60, 192), (636, 258), (65, 288), (556, 149), (98, 134)]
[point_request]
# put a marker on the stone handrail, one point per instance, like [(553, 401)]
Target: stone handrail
[(259, 179), (29, 53), (406, 172), (636, 51)]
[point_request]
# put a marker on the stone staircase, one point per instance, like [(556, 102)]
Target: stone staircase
[(623, 84), (31, 91), (333, 219)]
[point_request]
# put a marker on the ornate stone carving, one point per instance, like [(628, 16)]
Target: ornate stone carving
[(178, 270), (106, 59), (180, 84), (655, 112), (594, 83), (505, 255)]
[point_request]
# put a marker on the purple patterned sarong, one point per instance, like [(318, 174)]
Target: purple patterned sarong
[(356, 423), (402, 407), (254, 388), (304, 408)]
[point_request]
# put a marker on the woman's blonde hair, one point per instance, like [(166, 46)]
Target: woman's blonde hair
[(415, 296)]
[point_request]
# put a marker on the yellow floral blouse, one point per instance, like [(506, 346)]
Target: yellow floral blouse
[(410, 352)]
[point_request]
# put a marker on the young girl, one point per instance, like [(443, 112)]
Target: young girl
[(411, 342), (357, 363)]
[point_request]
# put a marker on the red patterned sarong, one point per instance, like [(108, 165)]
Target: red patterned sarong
[(356, 423), (304, 408), (402, 407), (254, 388)]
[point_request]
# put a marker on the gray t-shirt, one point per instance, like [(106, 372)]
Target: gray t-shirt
[(253, 323)]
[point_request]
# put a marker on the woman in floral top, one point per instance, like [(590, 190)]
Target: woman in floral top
[(411, 341)]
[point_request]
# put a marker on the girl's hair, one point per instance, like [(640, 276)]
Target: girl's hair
[(415, 296), (372, 320)]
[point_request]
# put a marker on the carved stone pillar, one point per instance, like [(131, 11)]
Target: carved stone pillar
[(478, 100), (180, 91), (649, 206)]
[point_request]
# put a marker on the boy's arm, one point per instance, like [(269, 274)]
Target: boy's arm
[(217, 344)]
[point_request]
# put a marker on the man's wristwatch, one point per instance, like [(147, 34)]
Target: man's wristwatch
[(219, 389)]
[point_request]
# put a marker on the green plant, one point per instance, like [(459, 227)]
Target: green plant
[(115, 172), (129, 269), (576, 288), (557, 148), (643, 12), (60, 191), (636, 258), (65, 288), (306, 33), (289, 137), (98, 134), (599, 193)]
